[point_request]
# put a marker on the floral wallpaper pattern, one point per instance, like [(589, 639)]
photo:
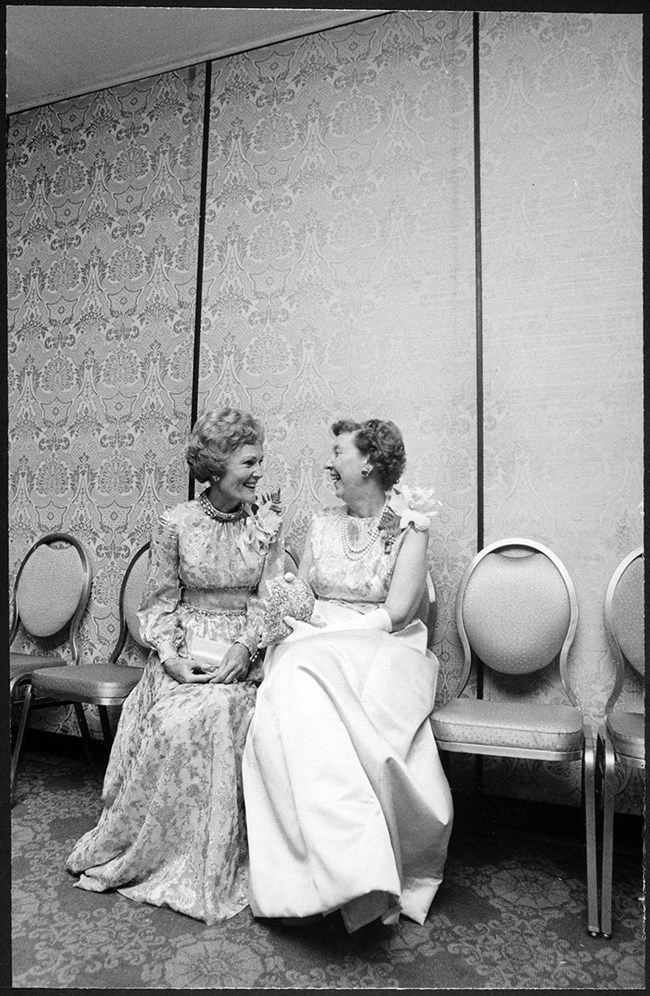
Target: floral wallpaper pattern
[(562, 303), (339, 261), (338, 280), (102, 225)]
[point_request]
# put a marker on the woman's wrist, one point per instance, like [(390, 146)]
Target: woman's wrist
[(252, 655), (251, 644)]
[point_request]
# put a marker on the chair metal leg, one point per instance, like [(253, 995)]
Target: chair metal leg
[(83, 727), (478, 775), (589, 797), (22, 726), (106, 726), (609, 779)]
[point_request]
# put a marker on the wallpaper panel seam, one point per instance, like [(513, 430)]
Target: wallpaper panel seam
[(196, 352)]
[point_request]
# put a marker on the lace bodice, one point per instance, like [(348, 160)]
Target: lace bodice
[(199, 562), (336, 574)]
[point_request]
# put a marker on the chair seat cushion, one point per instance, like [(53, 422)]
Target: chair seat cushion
[(86, 682), (22, 664), (627, 730), (535, 726)]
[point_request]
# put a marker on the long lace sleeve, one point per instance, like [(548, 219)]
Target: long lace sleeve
[(158, 613), (273, 568)]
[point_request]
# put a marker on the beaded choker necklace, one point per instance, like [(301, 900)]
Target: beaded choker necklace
[(214, 513), (355, 552)]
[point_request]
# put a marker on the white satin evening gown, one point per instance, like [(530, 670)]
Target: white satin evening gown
[(347, 805)]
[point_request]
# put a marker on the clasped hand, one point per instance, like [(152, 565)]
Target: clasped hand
[(233, 667)]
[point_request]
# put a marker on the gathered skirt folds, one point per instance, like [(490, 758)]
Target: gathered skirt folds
[(172, 831), (345, 793)]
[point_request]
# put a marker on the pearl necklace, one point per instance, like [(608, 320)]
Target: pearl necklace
[(214, 513), (355, 552)]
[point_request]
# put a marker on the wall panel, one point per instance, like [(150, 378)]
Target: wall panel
[(561, 182), (339, 266), (102, 222)]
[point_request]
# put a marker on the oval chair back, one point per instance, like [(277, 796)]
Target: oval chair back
[(50, 595), (131, 595), (517, 610), (52, 589), (427, 611), (621, 739), (106, 683), (624, 619), (290, 561)]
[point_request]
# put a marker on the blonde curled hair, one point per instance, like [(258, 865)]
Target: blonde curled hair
[(215, 436)]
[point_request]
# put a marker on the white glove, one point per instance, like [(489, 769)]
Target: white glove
[(301, 629), (377, 619)]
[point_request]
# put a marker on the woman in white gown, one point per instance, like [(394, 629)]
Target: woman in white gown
[(347, 805)]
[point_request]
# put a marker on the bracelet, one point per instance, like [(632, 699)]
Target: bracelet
[(253, 654)]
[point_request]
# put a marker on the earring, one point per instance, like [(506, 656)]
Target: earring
[(215, 480), (366, 471)]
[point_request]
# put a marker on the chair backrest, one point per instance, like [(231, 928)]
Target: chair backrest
[(624, 618), (131, 594), (427, 610), (290, 561), (516, 608), (52, 589)]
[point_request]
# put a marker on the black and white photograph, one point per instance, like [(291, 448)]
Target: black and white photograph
[(325, 498)]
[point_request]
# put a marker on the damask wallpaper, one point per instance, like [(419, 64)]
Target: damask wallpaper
[(338, 280), (339, 262), (102, 225), (562, 305)]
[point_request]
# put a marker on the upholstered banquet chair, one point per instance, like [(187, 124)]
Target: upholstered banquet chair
[(50, 595), (291, 561), (517, 612), (106, 683), (621, 739), (428, 609)]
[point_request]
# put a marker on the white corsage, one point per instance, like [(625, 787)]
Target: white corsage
[(406, 507), (415, 506), (261, 525)]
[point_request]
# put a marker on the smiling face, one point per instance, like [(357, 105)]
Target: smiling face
[(344, 466), (240, 478)]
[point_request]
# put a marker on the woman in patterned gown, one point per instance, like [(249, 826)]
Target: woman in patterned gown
[(172, 829), (347, 804)]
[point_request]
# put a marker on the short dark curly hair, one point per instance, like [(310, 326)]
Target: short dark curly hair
[(214, 436), (381, 442)]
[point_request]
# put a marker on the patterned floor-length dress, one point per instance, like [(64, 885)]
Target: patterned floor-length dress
[(172, 830), (344, 789)]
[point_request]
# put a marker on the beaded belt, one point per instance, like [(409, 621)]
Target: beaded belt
[(203, 600), (215, 612)]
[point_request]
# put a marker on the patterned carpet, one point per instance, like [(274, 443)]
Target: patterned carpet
[(510, 914)]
